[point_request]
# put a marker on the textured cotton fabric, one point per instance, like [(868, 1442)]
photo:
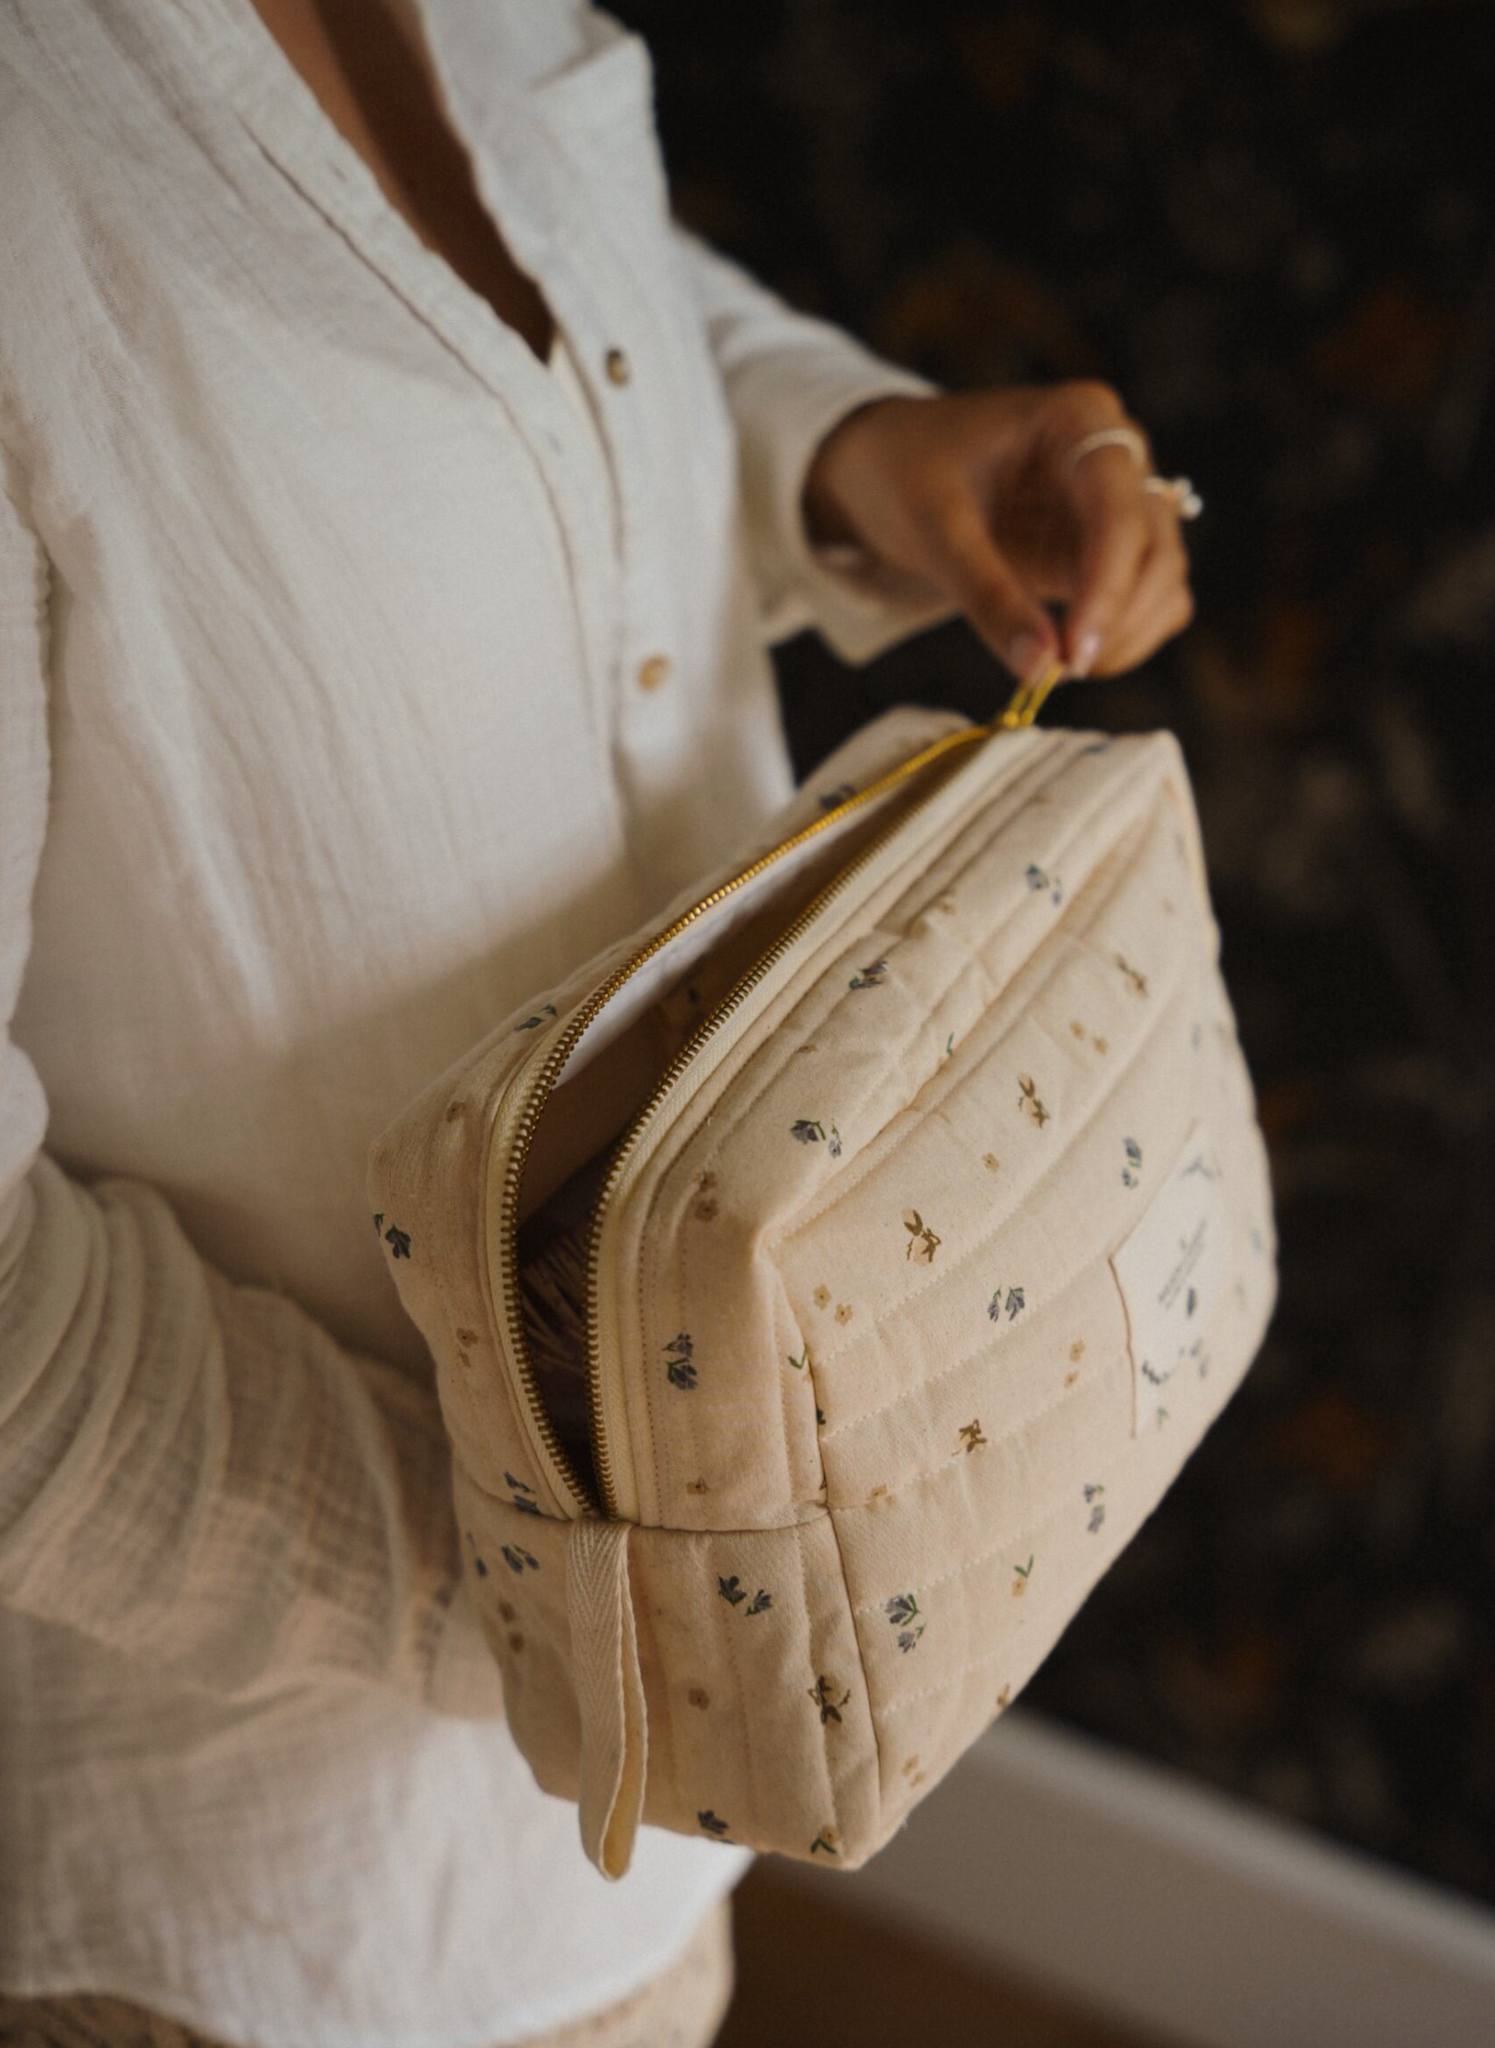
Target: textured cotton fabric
[(331, 725)]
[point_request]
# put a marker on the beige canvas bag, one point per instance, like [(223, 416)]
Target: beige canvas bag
[(934, 1231)]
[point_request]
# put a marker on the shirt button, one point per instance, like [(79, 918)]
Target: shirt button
[(619, 369), (653, 672)]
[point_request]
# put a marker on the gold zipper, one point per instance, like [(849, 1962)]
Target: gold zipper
[(1019, 713), (555, 1060)]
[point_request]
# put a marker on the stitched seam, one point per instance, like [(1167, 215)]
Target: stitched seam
[(866, 1675), (1129, 1445), (724, 1634), (987, 1237), (748, 1108), (954, 1462), (1032, 1529), (652, 1529), (846, 1184), (825, 1747)]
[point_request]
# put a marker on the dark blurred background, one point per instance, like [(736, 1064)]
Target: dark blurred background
[(1272, 227)]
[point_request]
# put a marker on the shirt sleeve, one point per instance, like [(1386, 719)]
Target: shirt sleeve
[(191, 1470), (789, 379)]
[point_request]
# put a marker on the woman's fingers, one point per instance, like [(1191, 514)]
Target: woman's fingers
[(970, 565), (1159, 603), (1115, 521)]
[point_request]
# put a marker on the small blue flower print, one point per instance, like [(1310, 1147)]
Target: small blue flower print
[(523, 1495), (834, 798), (1040, 880), (734, 1592), (810, 1131), (379, 1223), (518, 1559), (871, 976), (679, 1368), (903, 1612), (1093, 1494), (1011, 1299), (1131, 1172), (534, 1023), (398, 1242), (713, 1824)]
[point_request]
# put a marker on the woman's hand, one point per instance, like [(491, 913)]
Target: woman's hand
[(973, 493)]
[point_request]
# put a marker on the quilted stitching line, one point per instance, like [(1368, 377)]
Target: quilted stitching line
[(952, 1465), (1128, 1450), (853, 1611), (980, 1244), (954, 1678), (845, 1184), (894, 938), (825, 1747)]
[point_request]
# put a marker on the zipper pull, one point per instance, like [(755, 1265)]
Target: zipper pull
[(1027, 699)]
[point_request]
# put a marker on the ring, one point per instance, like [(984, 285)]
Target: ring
[(1107, 437), (1186, 500)]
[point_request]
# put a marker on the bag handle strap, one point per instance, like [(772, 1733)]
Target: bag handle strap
[(609, 1692)]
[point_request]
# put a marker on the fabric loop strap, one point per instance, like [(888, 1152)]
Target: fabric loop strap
[(609, 1692)]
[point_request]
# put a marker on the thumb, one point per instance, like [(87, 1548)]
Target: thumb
[(972, 568)]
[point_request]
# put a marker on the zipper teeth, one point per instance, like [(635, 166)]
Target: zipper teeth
[(555, 1060)]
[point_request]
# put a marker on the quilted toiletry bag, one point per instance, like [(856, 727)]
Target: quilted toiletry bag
[(826, 1283)]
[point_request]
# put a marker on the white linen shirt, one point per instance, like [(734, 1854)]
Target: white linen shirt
[(354, 683)]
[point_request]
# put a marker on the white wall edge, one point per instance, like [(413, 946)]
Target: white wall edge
[(1142, 1894)]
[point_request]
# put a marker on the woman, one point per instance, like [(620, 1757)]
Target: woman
[(398, 508)]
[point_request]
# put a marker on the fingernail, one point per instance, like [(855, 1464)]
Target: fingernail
[(1027, 657), (1087, 648)]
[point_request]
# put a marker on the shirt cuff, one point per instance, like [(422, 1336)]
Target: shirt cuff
[(860, 606)]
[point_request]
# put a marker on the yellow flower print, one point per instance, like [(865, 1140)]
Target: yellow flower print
[(990, 1161), (1028, 1100), (1077, 1350), (843, 1311), (823, 1693), (1135, 981), (821, 1297), (923, 1243)]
